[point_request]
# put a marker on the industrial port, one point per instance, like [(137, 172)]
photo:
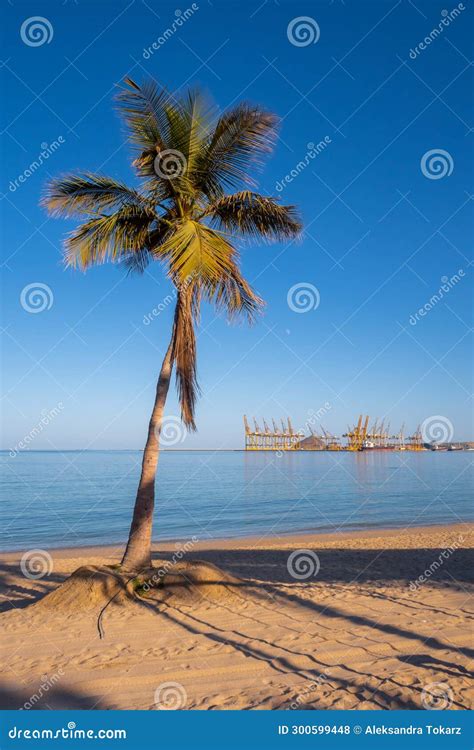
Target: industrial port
[(362, 436)]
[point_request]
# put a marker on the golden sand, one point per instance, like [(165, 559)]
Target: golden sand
[(384, 621)]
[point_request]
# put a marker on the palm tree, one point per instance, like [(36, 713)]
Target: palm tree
[(187, 158)]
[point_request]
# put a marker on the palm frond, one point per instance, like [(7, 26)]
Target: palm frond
[(190, 126), (240, 139), (109, 237), (195, 250), (88, 193), (234, 296), (144, 110), (137, 261), (255, 215), (163, 129)]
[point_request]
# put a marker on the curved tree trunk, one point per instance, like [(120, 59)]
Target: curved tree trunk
[(138, 551)]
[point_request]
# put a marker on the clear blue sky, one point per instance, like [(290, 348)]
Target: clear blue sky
[(379, 234)]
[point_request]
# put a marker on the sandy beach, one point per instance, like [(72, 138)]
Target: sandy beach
[(383, 621)]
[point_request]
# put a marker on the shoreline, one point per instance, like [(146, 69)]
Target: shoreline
[(253, 541)]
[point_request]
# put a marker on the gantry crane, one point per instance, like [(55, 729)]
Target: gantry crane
[(359, 437), (268, 439), (357, 434), (251, 442), (400, 439), (277, 436), (416, 441), (331, 442)]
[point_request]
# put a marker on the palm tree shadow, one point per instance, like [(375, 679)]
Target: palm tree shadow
[(264, 567), (269, 567), (385, 628), (429, 661), (345, 565), (55, 698), (15, 595), (281, 664)]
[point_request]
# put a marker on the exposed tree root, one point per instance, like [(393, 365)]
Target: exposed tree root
[(185, 582)]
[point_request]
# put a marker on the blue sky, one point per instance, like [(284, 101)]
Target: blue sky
[(379, 234)]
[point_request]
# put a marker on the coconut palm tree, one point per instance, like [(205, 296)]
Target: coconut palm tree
[(187, 159)]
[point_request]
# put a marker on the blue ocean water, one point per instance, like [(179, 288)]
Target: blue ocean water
[(62, 499)]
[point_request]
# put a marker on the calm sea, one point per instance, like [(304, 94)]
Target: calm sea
[(60, 499)]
